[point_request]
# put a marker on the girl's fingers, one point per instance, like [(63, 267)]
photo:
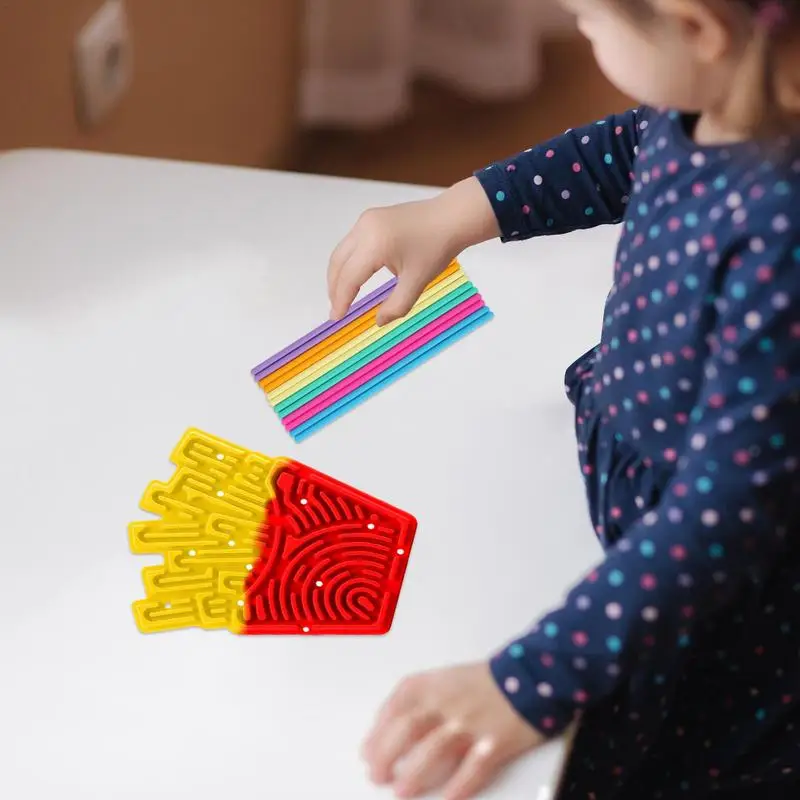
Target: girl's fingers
[(478, 769), (410, 285), (431, 763), (338, 257), (359, 267), (395, 740)]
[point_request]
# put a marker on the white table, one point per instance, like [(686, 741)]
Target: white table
[(135, 296)]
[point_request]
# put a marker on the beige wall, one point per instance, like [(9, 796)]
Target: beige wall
[(215, 80)]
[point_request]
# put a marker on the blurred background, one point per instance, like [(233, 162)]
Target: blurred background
[(418, 91)]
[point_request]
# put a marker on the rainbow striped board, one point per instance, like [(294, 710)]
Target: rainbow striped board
[(339, 365)]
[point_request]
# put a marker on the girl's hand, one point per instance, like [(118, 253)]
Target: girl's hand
[(451, 728), (416, 241)]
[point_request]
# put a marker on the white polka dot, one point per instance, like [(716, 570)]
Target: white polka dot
[(619, 373), (760, 413), (692, 247), (565, 195), (757, 245), (698, 160), (725, 425), (685, 385), (760, 478), (780, 224), (613, 670), (512, 685), (680, 320), (734, 200), (660, 425), (650, 518), (538, 180), (710, 518), (583, 602), (585, 140), (747, 515), (739, 216), (654, 262), (638, 270), (545, 690), (579, 663), (655, 361), (613, 610), (752, 320), (650, 614), (643, 125), (639, 367), (780, 301), (698, 441)]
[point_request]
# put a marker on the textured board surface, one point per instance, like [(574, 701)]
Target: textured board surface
[(333, 559), (263, 545), (322, 376)]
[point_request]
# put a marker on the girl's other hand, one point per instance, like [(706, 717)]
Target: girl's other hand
[(450, 728), (416, 241)]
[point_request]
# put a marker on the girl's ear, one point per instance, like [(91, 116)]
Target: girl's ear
[(705, 26)]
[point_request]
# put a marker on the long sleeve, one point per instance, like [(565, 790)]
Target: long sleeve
[(580, 179), (721, 524)]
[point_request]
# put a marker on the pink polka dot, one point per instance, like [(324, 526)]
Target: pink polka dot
[(547, 660), (526, 209), (580, 696), (618, 130), (576, 167), (548, 723), (642, 397), (673, 167), (708, 242), (680, 490), (716, 400), (588, 469), (729, 333), (688, 612), (648, 581), (698, 190), (678, 552), (580, 639), (741, 458), (616, 512), (674, 224), (670, 454), (511, 168), (633, 336), (550, 153)]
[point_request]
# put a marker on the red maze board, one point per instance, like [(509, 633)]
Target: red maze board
[(257, 546)]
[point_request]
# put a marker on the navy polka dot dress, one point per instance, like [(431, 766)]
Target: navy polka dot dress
[(680, 651)]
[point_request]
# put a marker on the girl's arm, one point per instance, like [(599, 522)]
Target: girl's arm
[(721, 527), (580, 179)]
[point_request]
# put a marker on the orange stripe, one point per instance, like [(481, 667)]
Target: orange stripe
[(340, 338)]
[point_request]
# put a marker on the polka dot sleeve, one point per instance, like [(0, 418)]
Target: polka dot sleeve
[(720, 529), (578, 180)]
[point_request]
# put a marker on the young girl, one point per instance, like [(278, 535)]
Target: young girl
[(679, 654)]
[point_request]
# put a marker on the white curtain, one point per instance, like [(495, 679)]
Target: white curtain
[(363, 55)]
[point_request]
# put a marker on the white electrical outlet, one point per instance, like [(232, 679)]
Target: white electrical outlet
[(103, 63)]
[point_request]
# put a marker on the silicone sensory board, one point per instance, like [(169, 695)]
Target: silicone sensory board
[(337, 366), (260, 545)]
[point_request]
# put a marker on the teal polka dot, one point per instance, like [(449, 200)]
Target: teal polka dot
[(647, 334), (761, 714), (601, 122), (643, 209), (783, 188), (684, 640), (704, 485), (796, 254), (655, 231), (608, 158), (603, 478), (716, 551), (660, 680), (647, 548), (721, 183), (664, 393), (691, 281), (747, 385), (766, 345), (696, 414), (550, 223), (500, 196), (551, 630), (630, 226), (614, 644), (739, 290), (616, 578), (614, 343), (588, 211), (627, 404), (712, 466), (618, 437), (516, 651), (777, 440), (691, 220), (656, 295)]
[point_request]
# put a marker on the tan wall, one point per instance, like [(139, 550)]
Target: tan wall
[(215, 80)]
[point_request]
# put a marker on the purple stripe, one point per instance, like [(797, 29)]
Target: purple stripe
[(322, 332)]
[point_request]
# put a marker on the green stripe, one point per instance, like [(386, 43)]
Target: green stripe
[(375, 350)]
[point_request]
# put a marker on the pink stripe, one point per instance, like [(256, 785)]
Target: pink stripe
[(390, 357)]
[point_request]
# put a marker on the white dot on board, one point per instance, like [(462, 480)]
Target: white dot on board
[(167, 605), (303, 502), (306, 630), (220, 494), (249, 567), (371, 526), (231, 543), (401, 552), (240, 603), (319, 583), (193, 553), (220, 457)]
